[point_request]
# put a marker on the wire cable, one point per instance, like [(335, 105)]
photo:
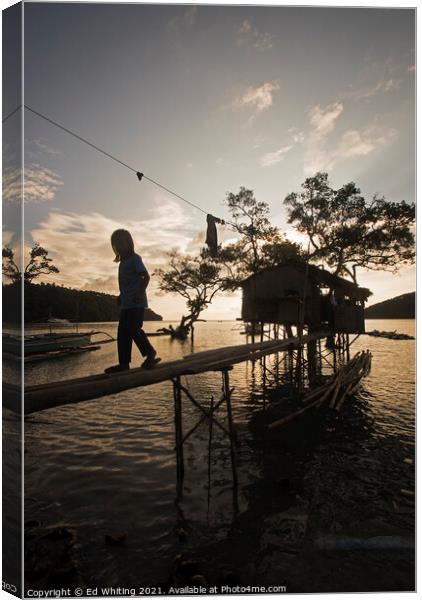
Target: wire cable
[(174, 194), (98, 149), (80, 138), (11, 113)]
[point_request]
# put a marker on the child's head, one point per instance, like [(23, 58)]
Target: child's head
[(122, 244)]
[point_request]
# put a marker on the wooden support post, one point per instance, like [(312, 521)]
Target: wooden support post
[(227, 395), (312, 361), (286, 361), (264, 374), (290, 367), (319, 358), (209, 451), (277, 368), (180, 467), (299, 362), (334, 355), (263, 359), (347, 347)]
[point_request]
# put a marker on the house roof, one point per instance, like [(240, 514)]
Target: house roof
[(321, 276)]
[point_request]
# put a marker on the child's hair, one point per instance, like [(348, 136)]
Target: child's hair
[(122, 244)]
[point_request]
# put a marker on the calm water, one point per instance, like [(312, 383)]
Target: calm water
[(108, 465)]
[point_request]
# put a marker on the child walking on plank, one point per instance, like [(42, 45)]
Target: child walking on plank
[(133, 282)]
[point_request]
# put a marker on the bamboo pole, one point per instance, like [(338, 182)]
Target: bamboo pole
[(201, 420), (203, 410), (348, 377), (251, 347), (227, 393), (209, 453), (335, 394), (292, 416), (178, 423)]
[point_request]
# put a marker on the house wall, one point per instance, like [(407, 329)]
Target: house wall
[(275, 296)]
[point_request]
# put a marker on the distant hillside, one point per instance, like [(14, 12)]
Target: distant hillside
[(48, 300), (400, 307)]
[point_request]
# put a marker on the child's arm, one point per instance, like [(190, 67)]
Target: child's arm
[(143, 284)]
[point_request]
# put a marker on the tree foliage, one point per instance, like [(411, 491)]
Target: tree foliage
[(39, 264), (260, 244), (45, 300), (9, 267), (197, 279), (346, 232)]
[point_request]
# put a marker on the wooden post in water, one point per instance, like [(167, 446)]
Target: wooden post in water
[(319, 358), (264, 375), (263, 360), (312, 360), (227, 392), (298, 380), (210, 422), (289, 333), (334, 354), (180, 467)]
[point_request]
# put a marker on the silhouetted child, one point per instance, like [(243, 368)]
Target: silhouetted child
[(133, 282)]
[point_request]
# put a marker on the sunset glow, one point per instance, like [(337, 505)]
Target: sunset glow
[(206, 99)]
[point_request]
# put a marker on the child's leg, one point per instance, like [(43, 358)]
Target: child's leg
[(138, 334), (124, 338)]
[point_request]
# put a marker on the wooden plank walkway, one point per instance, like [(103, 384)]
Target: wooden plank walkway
[(72, 391)]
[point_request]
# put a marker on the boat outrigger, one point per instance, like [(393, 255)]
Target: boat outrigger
[(49, 345)]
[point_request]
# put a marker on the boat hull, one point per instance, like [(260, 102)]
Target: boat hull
[(49, 342)]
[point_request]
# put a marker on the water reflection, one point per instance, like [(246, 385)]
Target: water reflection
[(108, 465)]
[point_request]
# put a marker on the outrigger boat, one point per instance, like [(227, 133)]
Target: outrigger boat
[(45, 342), (49, 345)]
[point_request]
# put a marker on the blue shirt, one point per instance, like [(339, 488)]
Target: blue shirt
[(129, 281)]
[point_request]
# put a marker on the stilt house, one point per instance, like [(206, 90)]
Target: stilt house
[(293, 293)]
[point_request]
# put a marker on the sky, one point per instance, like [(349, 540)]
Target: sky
[(205, 99)]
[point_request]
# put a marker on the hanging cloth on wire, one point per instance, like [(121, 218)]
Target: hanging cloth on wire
[(212, 239)]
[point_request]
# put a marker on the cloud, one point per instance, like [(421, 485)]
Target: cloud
[(322, 122), (353, 142), (40, 184), (377, 77), (259, 98), (296, 135), (8, 236), (80, 243), (323, 119), (42, 146), (247, 35), (184, 21), (12, 184), (370, 90), (272, 158), (360, 143)]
